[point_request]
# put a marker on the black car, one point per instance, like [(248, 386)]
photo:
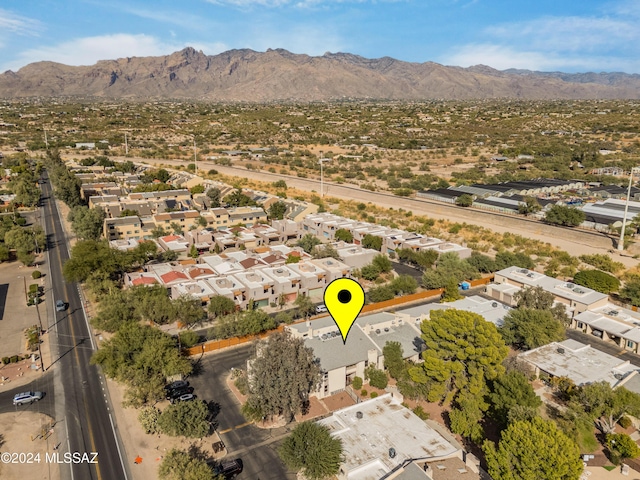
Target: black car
[(171, 394), (175, 385), (229, 468)]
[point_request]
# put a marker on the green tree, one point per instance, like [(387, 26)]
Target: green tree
[(605, 405), (188, 310), (89, 256), (538, 299), (382, 263), (196, 189), (325, 251), (602, 262), (482, 263), (114, 310), (622, 445), (506, 259), (188, 419), (510, 390), (308, 242), (219, 306), (311, 449), (449, 266), (342, 234), (152, 303), (214, 195), (394, 359), (87, 223), (467, 415), (377, 378), (280, 184), (464, 200), (404, 285), (179, 465), (530, 327), (282, 375), (277, 210), (239, 199), (599, 281), (463, 351), (380, 294), (141, 357), (451, 292), (193, 251), (533, 450), (631, 289), (528, 206), (304, 305), (371, 241), (563, 215)]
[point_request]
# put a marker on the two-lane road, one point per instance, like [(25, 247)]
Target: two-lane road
[(88, 420)]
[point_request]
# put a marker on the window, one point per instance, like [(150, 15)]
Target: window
[(631, 344), (580, 325)]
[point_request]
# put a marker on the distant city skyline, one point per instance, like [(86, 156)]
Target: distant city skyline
[(592, 35)]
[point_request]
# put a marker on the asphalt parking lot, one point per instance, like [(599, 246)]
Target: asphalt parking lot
[(257, 447)]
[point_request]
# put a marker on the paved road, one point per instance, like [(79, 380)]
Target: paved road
[(44, 383), (86, 415), (255, 446), (603, 346)]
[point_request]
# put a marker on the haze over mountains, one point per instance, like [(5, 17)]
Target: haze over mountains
[(278, 75)]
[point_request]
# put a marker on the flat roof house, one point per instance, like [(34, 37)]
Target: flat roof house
[(579, 362), (380, 435), (576, 298)]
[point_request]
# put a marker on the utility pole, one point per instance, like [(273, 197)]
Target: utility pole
[(626, 209), (195, 154), (46, 142), (126, 145)]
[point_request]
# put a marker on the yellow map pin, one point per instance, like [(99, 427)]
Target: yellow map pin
[(344, 299)]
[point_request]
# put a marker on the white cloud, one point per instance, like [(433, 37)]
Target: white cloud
[(88, 50), (11, 22), (282, 3), (571, 43), (503, 57)]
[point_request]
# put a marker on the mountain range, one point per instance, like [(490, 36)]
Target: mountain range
[(278, 75)]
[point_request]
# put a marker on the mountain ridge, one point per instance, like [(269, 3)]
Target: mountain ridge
[(279, 75)]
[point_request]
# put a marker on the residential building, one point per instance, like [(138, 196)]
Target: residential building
[(380, 436), (581, 363), (174, 243), (186, 219), (286, 283), (247, 216), (355, 256), (576, 298), (200, 289), (229, 286), (123, 228), (612, 324), (334, 268), (259, 287)]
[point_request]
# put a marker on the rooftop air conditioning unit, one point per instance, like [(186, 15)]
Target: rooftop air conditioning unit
[(530, 274), (359, 415), (524, 270), (613, 313), (617, 376), (560, 350), (570, 285), (494, 304)]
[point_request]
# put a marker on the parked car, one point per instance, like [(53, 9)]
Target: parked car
[(321, 309), (61, 306), (187, 397), (27, 397), (229, 469), (175, 385), (171, 394)]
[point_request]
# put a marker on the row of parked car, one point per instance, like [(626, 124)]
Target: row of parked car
[(179, 391)]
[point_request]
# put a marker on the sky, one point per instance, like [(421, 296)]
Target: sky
[(543, 35)]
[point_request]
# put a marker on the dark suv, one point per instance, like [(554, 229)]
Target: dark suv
[(229, 469)]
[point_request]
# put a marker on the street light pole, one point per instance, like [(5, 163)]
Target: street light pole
[(322, 160), (624, 217)]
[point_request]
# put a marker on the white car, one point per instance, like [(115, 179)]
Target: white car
[(61, 306), (27, 397)]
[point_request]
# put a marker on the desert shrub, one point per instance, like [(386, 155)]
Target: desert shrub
[(36, 274), (363, 393), (357, 383), (374, 394), (420, 413)]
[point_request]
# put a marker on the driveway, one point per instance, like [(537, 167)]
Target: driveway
[(257, 447)]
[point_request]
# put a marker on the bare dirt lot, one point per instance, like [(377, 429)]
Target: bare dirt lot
[(33, 435)]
